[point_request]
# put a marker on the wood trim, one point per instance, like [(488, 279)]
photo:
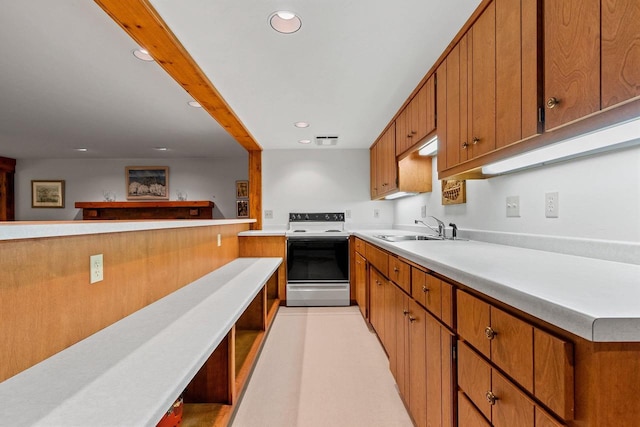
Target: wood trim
[(255, 188), (140, 20), (7, 164)]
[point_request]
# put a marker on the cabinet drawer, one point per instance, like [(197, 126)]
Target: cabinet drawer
[(378, 258), (495, 396), (427, 290), (400, 273), (539, 362), (360, 246)]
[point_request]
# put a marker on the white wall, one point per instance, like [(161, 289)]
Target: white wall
[(320, 181), (85, 180), (599, 199)]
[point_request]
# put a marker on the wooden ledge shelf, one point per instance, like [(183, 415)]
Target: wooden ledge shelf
[(201, 341), (197, 209)]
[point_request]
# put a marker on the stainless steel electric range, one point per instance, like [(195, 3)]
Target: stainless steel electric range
[(317, 260)]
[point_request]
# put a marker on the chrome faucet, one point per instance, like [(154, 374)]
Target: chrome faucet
[(439, 230)]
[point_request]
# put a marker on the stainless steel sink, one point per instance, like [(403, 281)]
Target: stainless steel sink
[(406, 237)]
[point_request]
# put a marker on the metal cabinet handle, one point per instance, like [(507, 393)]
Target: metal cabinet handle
[(425, 289), (490, 333), (395, 269), (405, 312), (552, 102), (465, 145), (412, 319), (475, 140), (491, 398)]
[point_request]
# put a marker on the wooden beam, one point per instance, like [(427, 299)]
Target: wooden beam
[(255, 188), (141, 21)]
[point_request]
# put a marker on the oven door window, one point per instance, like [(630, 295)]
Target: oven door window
[(318, 260)]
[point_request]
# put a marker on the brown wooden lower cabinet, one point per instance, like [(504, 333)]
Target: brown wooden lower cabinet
[(360, 278)]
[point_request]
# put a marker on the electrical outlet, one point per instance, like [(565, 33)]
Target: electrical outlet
[(423, 211), (376, 213), (347, 213), (551, 205), (513, 206), (219, 239), (268, 214), (96, 268)]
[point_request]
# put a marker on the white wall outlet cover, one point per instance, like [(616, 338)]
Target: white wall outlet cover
[(552, 205), (423, 211), (347, 213), (268, 214), (376, 213), (96, 268)]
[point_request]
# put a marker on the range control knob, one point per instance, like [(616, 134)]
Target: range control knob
[(326, 216)]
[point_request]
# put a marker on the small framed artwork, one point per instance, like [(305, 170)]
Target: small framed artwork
[(242, 189), (454, 192), (242, 208), (147, 182), (47, 194)]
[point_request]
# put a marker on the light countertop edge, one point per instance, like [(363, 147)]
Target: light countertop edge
[(132, 371), (594, 299), (42, 229)]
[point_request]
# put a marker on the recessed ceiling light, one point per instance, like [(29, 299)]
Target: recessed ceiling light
[(142, 54), (285, 22), (161, 148), (194, 104), (301, 124), (305, 141), (81, 149)]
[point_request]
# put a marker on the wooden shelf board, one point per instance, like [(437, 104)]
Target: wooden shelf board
[(205, 414)]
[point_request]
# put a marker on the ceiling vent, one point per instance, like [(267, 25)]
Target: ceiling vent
[(326, 141)]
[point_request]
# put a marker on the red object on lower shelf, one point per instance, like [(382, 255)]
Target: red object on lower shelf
[(173, 417)]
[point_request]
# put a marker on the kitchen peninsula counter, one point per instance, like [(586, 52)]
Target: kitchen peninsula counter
[(43, 229), (591, 298)]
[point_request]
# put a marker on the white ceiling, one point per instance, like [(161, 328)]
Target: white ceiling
[(69, 79)]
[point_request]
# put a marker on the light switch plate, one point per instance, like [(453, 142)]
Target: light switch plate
[(513, 206)]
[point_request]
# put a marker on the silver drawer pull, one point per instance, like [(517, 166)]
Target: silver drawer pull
[(491, 398), (490, 333)]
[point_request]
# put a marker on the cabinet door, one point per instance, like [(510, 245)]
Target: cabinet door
[(419, 114), (454, 137), (402, 345), (361, 284), (572, 60), (554, 374), (386, 159), (512, 347), (442, 119), (448, 378), (620, 51), (512, 407), (483, 86), (433, 371), (544, 420), (373, 170), (430, 120), (403, 124), (473, 319), (417, 364), (376, 303)]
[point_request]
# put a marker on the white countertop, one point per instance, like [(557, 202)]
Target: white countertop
[(262, 233), (595, 299), (41, 229), (131, 372)]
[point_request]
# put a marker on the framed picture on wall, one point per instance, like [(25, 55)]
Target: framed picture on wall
[(47, 194), (242, 189), (242, 208), (147, 182)]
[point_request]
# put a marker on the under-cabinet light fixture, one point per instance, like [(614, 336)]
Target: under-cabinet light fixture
[(625, 134), (430, 148), (398, 195)]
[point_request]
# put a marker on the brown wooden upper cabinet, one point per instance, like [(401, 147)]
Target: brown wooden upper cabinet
[(592, 57), (384, 169), (417, 119), (488, 89)]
